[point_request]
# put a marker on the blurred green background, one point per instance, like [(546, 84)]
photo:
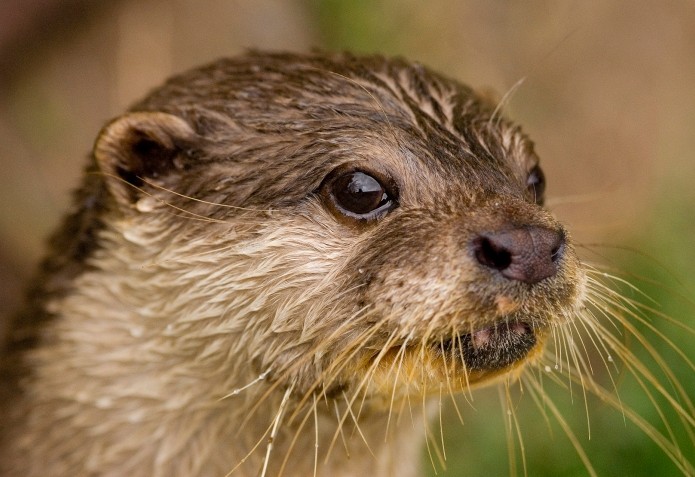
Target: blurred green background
[(606, 93)]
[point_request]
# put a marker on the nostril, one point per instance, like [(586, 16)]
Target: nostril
[(526, 254), (557, 252), (492, 254)]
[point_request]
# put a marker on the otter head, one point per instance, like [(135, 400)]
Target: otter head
[(334, 225)]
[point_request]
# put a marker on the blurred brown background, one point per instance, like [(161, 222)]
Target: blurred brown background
[(606, 91)]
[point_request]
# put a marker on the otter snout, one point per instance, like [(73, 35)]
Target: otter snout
[(527, 254)]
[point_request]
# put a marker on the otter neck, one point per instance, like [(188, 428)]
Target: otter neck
[(138, 375)]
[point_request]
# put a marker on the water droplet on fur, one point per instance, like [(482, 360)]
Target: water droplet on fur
[(104, 402), (557, 366), (610, 358), (52, 307), (135, 417), (132, 235), (178, 163), (360, 270), (548, 369), (146, 204)]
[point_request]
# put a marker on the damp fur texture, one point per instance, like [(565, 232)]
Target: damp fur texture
[(205, 310)]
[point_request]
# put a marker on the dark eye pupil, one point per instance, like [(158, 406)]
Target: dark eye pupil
[(535, 183), (359, 193)]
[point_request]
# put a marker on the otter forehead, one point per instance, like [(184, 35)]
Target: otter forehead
[(296, 118)]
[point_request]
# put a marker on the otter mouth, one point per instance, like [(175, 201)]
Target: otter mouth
[(492, 348), (461, 361)]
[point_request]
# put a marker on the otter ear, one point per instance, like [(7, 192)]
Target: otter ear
[(140, 147)]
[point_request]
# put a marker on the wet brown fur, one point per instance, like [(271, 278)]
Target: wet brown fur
[(202, 311)]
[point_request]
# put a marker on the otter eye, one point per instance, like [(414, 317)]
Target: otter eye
[(535, 184), (358, 195)]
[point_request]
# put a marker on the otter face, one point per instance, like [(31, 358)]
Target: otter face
[(454, 257), (378, 228)]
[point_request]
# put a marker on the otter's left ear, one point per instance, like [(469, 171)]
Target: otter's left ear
[(139, 147)]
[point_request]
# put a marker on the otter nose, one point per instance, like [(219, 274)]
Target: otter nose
[(527, 254)]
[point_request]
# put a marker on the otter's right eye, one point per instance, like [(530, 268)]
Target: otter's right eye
[(358, 195), (535, 184)]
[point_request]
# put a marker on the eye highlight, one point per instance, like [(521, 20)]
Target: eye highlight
[(357, 195), (535, 184)]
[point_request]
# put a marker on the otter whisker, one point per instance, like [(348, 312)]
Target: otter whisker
[(441, 423), (430, 440), (359, 388), (342, 434), (186, 213), (338, 432), (630, 359), (544, 367), (564, 356), (496, 115), (348, 404), (601, 272), (398, 359), (388, 345), (254, 447), (455, 337), (316, 438), (236, 391), (296, 436), (556, 332), (274, 431), (448, 374), (583, 368), (589, 322), (406, 399), (201, 201), (534, 390), (604, 309), (343, 360), (638, 369), (578, 355), (468, 392), (670, 448), (636, 310), (512, 429)]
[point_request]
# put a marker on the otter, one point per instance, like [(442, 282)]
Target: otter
[(275, 265)]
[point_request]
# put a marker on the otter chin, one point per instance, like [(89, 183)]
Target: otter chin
[(271, 254), (458, 363), (494, 347)]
